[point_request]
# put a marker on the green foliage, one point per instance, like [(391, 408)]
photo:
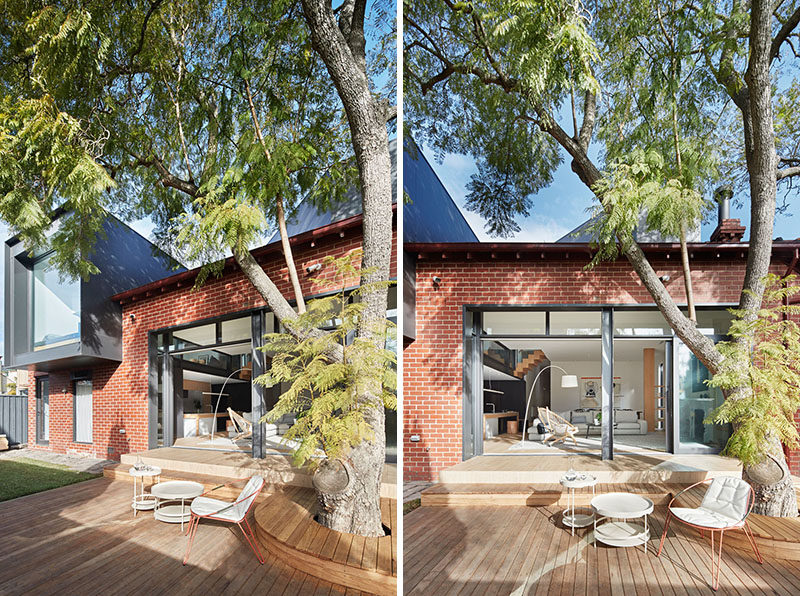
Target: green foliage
[(637, 187), (141, 108), (492, 109), (330, 394), (490, 78), (762, 371)]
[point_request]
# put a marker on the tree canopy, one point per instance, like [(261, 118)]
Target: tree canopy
[(516, 84), (197, 115)]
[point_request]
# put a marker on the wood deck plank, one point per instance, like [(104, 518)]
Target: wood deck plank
[(84, 539), (473, 556)]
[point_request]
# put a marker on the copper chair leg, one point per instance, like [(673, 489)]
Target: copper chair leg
[(752, 540), (664, 535), (253, 543), (715, 576), (192, 532)]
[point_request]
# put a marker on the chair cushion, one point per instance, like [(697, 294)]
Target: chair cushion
[(560, 429), (578, 418), (628, 425), (704, 517), (728, 496), (209, 506)]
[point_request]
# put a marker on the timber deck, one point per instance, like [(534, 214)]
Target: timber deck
[(526, 550), (286, 528), (83, 539), (275, 469), (650, 468)]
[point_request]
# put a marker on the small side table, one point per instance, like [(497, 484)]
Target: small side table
[(141, 500), (173, 492), (568, 516), (621, 506)]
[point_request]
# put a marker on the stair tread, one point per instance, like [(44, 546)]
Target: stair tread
[(528, 488)]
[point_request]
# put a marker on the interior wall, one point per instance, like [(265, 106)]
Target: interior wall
[(631, 375), (512, 400)]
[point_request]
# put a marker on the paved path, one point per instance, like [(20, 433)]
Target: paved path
[(413, 490), (78, 463)]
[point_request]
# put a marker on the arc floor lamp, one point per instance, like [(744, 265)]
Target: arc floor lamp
[(567, 381)]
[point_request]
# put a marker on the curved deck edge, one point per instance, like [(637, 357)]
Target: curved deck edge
[(286, 529)]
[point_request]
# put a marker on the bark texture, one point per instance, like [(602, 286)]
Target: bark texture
[(772, 484), (774, 492), (342, 50)]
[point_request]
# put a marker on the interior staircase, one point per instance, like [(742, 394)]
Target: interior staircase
[(530, 361)]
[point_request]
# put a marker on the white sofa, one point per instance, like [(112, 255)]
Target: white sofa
[(280, 426), (628, 422)]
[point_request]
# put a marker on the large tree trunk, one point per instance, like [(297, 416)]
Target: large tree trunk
[(772, 484), (770, 479), (342, 50)]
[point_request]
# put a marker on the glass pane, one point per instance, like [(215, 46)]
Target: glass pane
[(714, 322), (204, 335), (696, 401), (640, 323), (83, 411), (575, 323), (513, 323), (236, 329), (56, 308)]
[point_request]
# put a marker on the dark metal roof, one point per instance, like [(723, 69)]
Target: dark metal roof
[(307, 217), (583, 234), (432, 215), (349, 226)]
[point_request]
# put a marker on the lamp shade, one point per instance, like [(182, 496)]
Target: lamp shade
[(569, 381)]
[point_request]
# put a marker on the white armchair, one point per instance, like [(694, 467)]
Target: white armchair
[(725, 506)]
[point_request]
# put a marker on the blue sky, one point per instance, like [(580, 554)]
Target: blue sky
[(562, 206)]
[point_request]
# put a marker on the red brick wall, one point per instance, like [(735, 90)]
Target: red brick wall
[(120, 391), (432, 365)]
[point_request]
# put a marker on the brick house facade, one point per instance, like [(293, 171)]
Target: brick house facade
[(120, 393), (517, 274)]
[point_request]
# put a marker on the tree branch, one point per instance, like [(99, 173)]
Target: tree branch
[(589, 116), (783, 34), (787, 173)]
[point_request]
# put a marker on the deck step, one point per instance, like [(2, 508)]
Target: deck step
[(120, 472), (535, 495)]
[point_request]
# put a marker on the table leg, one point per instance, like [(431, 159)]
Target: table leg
[(572, 509), (134, 497), (645, 532)]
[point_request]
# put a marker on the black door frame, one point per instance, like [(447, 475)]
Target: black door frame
[(472, 372)]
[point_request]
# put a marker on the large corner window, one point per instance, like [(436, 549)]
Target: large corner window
[(56, 307)]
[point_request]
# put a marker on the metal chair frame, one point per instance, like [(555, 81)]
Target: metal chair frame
[(249, 535), (716, 556)]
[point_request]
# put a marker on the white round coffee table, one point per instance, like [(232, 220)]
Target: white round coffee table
[(171, 492), (622, 507), (142, 500), (568, 516)]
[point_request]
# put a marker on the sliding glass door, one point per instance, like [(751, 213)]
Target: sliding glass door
[(694, 400)]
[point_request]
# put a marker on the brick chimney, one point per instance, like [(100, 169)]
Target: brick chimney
[(728, 230)]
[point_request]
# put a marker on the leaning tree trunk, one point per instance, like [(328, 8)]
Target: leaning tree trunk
[(342, 48), (770, 479), (772, 483)]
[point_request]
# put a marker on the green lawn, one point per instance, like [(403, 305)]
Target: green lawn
[(22, 476)]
